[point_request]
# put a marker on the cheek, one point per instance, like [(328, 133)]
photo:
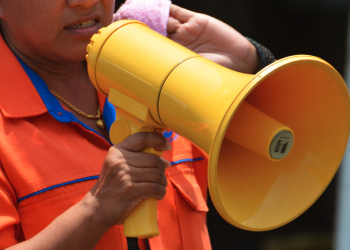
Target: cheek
[(111, 4), (37, 20), (43, 13), (109, 11)]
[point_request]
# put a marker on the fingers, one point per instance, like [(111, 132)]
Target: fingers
[(153, 175), (177, 17), (139, 141), (140, 166), (173, 25), (186, 27), (129, 176), (135, 173), (150, 190), (145, 160), (181, 14)]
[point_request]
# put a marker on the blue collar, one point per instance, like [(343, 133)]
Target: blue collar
[(56, 110)]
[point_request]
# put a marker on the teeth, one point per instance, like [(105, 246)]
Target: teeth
[(82, 25)]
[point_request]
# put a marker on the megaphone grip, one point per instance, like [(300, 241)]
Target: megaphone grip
[(142, 221)]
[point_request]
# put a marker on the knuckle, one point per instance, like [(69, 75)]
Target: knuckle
[(123, 175), (113, 162), (128, 185), (114, 158)]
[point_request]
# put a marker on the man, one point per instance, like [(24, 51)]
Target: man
[(62, 184)]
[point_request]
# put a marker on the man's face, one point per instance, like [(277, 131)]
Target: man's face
[(55, 30)]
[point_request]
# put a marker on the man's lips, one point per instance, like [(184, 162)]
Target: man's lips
[(85, 26), (83, 22), (82, 25)]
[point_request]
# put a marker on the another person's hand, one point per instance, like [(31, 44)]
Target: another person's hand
[(212, 39), (129, 176)]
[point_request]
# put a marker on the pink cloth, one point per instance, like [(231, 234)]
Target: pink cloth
[(154, 13)]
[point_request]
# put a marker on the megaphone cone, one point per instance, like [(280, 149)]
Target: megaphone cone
[(274, 140)]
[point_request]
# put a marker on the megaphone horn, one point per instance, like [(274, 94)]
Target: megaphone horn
[(274, 139)]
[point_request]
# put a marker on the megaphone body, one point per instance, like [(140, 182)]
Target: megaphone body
[(274, 139)]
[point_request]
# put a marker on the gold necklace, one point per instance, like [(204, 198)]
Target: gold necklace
[(100, 122)]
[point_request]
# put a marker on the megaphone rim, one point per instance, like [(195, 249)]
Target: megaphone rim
[(219, 137)]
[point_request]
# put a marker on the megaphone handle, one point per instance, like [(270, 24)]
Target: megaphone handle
[(142, 221)]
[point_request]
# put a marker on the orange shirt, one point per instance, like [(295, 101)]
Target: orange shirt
[(49, 160)]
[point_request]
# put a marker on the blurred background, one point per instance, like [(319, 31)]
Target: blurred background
[(290, 27)]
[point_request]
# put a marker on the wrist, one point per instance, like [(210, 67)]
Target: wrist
[(253, 59), (90, 206)]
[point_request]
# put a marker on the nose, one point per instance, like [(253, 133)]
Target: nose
[(83, 3)]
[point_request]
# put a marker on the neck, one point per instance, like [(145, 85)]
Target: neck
[(65, 77), (70, 80)]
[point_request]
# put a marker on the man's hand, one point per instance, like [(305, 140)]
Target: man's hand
[(212, 39), (129, 176)]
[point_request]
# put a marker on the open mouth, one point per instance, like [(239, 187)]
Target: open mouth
[(82, 25)]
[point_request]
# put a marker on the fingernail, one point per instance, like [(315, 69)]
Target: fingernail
[(168, 146), (166, 163)]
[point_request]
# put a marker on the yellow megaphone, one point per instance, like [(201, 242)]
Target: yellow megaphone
[(274, 139)]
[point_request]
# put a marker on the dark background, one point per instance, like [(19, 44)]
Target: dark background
[(286, 27)]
